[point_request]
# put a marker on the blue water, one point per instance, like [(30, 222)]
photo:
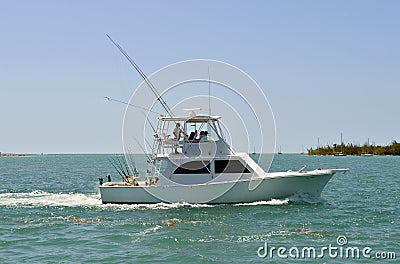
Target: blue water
[(51, 212)]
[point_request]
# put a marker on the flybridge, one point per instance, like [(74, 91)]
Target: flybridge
[(192, 136)]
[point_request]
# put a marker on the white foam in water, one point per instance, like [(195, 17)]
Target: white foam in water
[(155, 206), (41, 198), (270, 202), (150, 230)]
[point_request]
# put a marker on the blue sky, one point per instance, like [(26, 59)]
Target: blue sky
[(326, 66)]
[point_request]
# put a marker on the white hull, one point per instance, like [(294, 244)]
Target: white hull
[(273, 185)]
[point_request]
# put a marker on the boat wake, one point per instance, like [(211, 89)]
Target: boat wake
[(270, 202), (41, 198)]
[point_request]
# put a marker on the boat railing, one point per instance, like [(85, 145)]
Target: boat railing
[(171, 143), (167, 142)]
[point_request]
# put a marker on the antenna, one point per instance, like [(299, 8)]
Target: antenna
[(209, 92)]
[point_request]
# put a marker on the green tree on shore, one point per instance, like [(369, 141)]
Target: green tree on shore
[(352, 149)]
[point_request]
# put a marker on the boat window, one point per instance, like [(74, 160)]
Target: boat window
[(194, 167), (230, 166)]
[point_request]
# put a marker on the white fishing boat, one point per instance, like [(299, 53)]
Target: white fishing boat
[(205, 169), (197, 164)]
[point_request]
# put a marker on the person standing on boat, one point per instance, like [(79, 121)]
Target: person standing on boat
[(177, 135)]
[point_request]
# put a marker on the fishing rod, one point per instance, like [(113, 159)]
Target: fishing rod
[(126, 167), (120, 166), (115, 167), (132, 161), (142, 148), (124, 171), (143, 75)]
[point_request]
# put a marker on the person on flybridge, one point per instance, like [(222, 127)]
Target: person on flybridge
[(177, 134)]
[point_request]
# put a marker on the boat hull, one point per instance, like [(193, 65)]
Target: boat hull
[(272, 186)]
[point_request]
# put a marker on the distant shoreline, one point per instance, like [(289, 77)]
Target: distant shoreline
[(323, 151), (356, 150), (9, 155)]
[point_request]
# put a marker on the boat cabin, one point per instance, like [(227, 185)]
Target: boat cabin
[(193, 150)]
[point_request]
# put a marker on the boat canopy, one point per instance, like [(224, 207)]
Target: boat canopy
[(189, 119)]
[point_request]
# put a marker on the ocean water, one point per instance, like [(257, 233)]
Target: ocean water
[(50, 212)]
